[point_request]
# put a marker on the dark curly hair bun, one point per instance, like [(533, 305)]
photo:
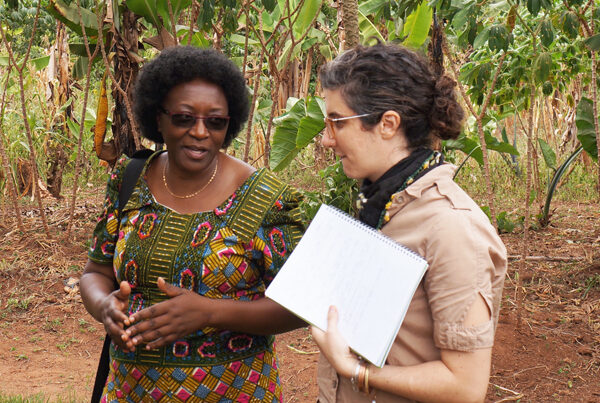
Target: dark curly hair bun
[(387, 77), (181, 64), (446, 113)]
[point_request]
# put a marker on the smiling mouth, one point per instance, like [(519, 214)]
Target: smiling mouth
[(195, 152)]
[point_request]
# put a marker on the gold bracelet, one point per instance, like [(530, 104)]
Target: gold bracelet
[(366, 386), (361, 377)]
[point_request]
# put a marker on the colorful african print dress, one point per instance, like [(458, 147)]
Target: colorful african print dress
[(232, 252)]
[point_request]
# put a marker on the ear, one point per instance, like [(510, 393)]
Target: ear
[(389, 124)]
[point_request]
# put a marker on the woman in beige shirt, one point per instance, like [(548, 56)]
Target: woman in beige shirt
[(384, 107)]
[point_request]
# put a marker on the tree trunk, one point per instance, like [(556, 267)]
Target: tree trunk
[(126, 70), (595, 112), (350, 23), (56, 153), (257, 76)]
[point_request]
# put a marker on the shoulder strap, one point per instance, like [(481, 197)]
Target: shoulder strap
[(264, 192), (131, 175)]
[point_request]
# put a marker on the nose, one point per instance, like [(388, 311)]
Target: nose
[(327, 140), (199, 129)]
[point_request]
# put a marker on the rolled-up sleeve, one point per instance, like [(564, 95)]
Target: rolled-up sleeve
[(464, 264)]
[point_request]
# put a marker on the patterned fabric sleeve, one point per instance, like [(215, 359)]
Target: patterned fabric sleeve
[(280, 232), (102, 245)]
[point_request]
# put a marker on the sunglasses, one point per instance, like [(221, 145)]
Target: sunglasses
[(331, 123), (187, 120)]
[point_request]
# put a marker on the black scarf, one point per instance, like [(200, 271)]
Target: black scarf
[(375, 195)]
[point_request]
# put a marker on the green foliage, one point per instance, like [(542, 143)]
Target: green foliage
[(585, 127), (548, 153), (569, 24), (416, 26), (68, 14), (157, 11), (593, 42), (17, 21), (338, 190), (542, 66), (296, 129), (544, 218)]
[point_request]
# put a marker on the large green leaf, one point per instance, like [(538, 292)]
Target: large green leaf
[(570, 24), (296, 129), (241, 40), (534, 6), (147, 9), (284, 147), (80, 67), (481, 38), (593, 42), (157, 11), (40, 62), (269, 5), (585, 127), (68, 14), (541, 67), (466, 145), (493, 143), (416, 26), (176, 6), (367, 30), (546, 32), (499, 38), (548, 153), (460, 19), (312, 124), (372, 6), (306, 15)]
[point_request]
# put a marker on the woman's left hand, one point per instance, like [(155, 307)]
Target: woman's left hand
[(169, 320), (334, 347)]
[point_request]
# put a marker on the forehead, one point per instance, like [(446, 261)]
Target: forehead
[(197, 91), (335, 103)]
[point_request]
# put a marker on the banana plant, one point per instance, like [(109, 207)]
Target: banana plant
[(296, 129), (544, 217), (586, 134)]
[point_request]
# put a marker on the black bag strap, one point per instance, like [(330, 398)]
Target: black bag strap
[(132, 172)]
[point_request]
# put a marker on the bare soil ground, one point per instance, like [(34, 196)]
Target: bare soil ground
[(547, 345)]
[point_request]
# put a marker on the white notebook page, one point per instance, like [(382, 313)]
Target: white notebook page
[(366, 275)]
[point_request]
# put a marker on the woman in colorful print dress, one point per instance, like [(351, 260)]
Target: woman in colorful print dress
[(194, 247), (384, 107)]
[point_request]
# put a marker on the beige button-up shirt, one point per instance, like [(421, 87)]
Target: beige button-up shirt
[(438, 220)]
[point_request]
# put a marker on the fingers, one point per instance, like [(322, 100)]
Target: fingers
[(124, 290), (169, 289), (332, 319)]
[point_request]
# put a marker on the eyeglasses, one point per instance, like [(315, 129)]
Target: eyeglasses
[(332, 123), (187, 120)]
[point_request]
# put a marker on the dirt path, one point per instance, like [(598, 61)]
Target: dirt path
[(50, 345)]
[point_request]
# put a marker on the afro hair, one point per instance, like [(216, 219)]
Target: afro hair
[(181, 64)]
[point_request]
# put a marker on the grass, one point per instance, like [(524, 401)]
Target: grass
[(509, 189), (40, 398)]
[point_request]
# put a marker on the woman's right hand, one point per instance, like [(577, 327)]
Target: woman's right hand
[(113, 311)]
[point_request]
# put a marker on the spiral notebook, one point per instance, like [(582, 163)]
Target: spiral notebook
[(368, 276)]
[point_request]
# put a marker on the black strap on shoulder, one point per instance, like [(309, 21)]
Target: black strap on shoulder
[(131, 175)]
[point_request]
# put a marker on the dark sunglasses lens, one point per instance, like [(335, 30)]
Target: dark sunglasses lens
[(216, 123), (183, 120)]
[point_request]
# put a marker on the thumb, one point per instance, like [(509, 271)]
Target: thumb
[(124, 290), (332, 318), (169, 289)]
